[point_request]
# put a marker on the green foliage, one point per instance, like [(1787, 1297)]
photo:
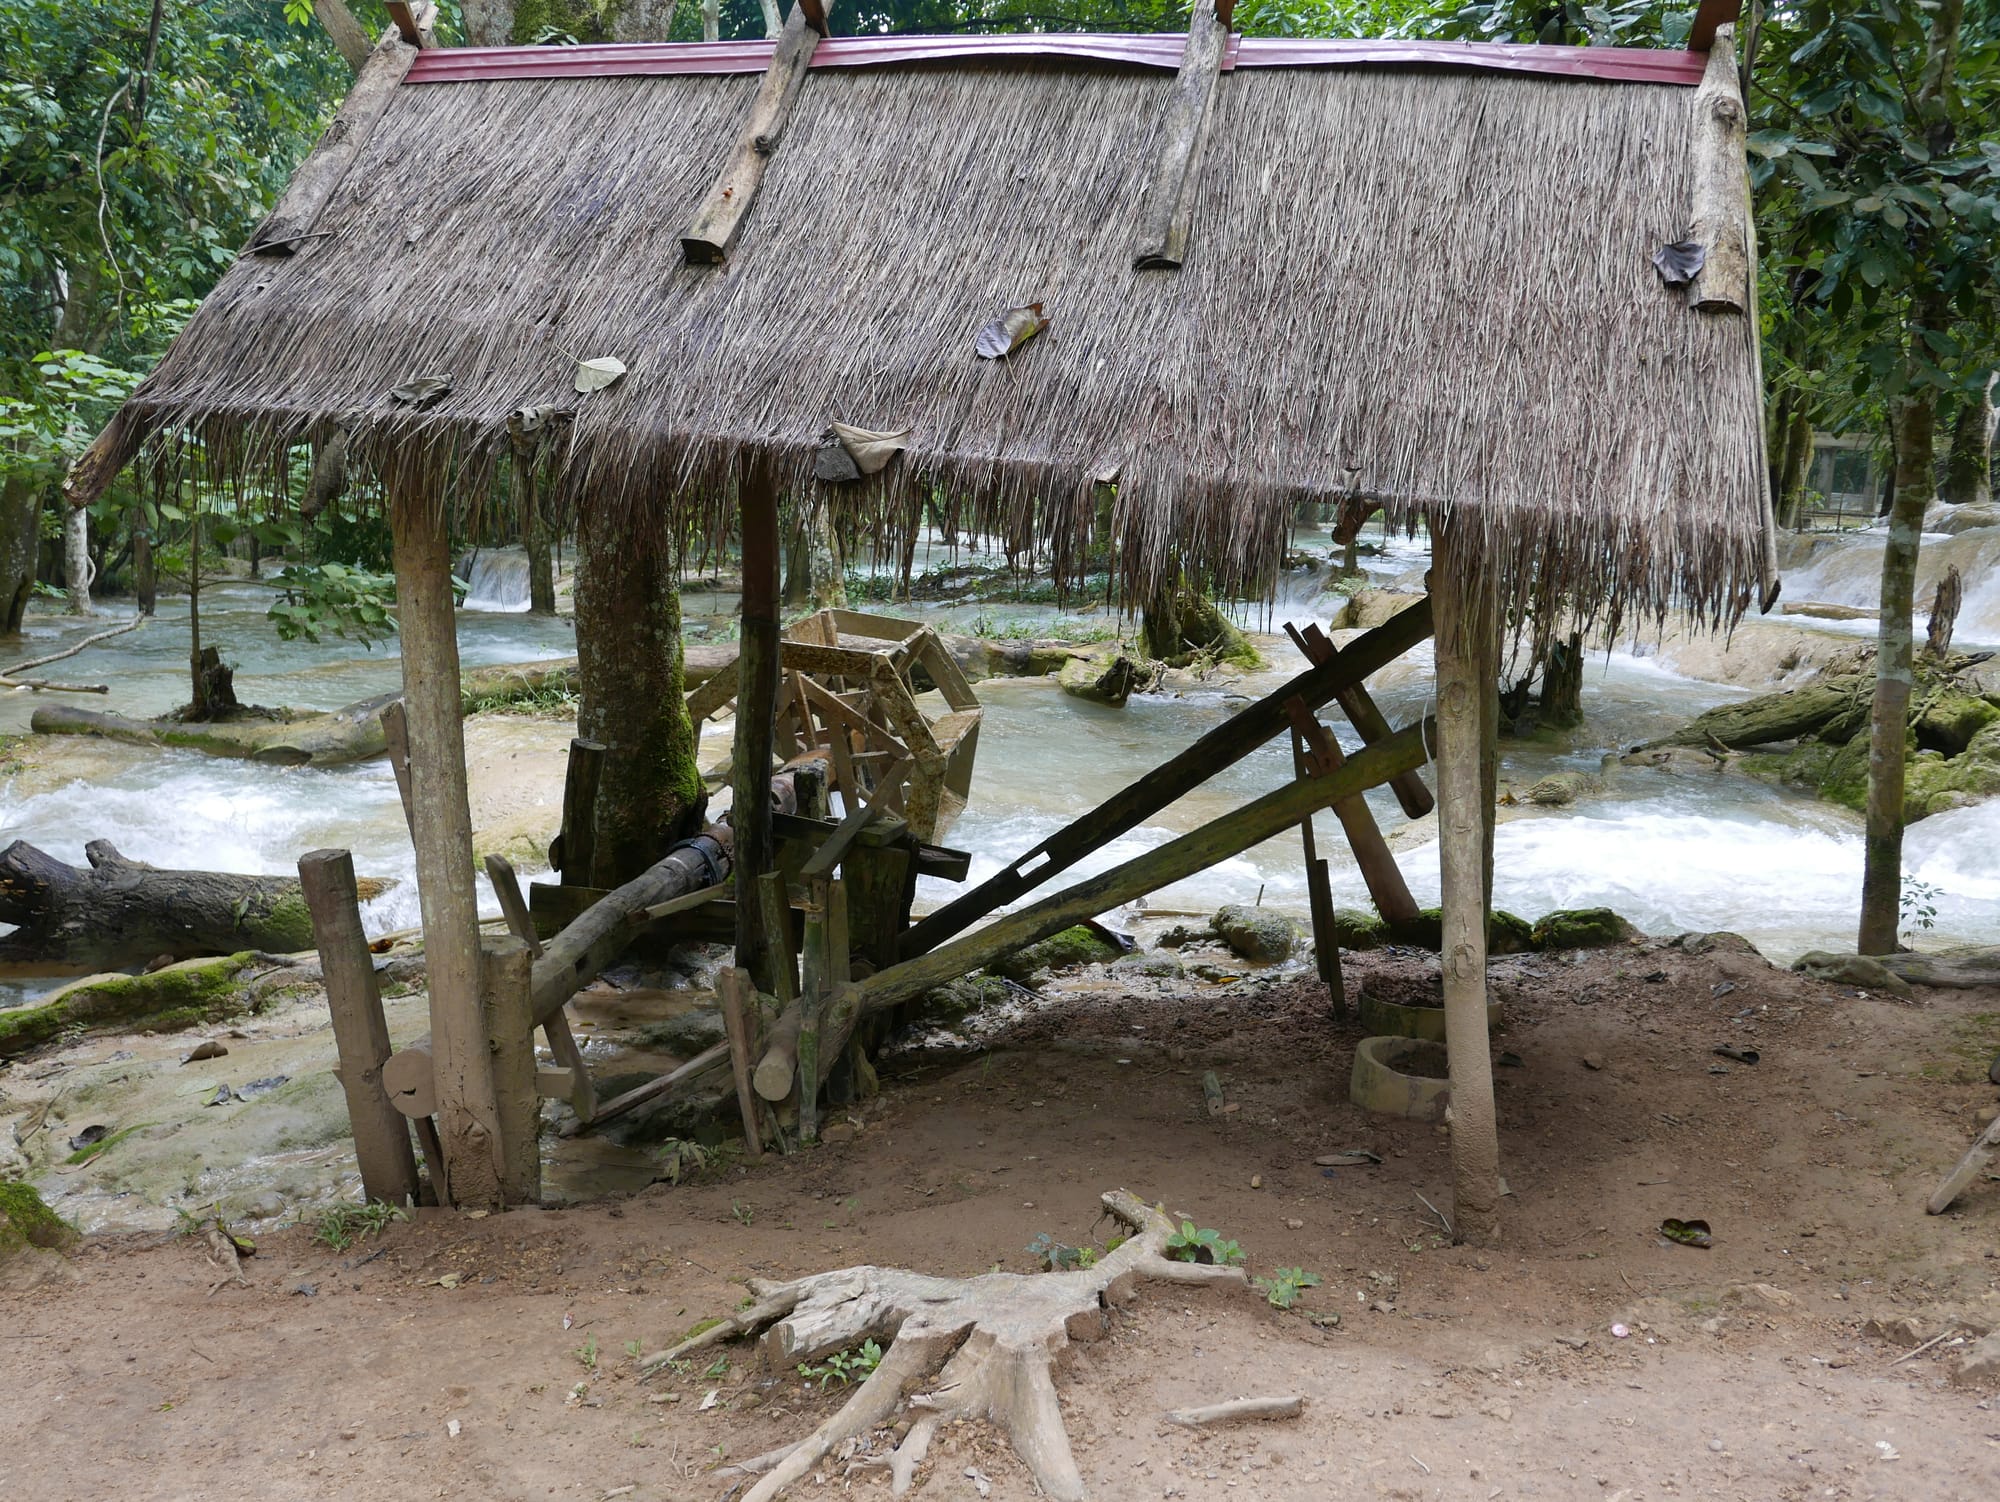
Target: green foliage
[(1919, 905), (587, 1354), (338, 1227), (1282, 1289), (844, 1367), (1193, 1244), (350, 602)]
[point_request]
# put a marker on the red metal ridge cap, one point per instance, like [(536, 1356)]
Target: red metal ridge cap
[(1156, 50)]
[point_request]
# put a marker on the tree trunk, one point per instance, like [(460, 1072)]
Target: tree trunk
[(711, 20), (20, 548), (774, 21), (145, 578), (1561, 705), (1968, 471), (124, 912), (1882, 872), (488, 23), (634, 699), (77, 569), (1791, 479), (534, 534)]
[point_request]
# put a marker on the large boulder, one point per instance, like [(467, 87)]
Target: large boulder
[(33, 1239), (1257, 934), (1949, 721), (1071, 949), (1850, 970), (1583, 928)]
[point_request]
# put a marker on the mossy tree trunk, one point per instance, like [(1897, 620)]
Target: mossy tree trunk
[(1180, 624), (633, 698), (20, 546), (1968, 470), (1791, 477), (1882, 872)]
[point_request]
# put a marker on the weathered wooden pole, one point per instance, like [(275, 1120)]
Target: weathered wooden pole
[(756, 710), (360, 1032), (441, 829), (1463, 600), (506, 998)]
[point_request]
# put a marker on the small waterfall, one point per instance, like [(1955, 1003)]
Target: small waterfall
[(498, 580), (1846, 569)]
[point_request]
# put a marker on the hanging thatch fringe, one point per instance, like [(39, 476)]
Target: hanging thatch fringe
[(1429, 288)]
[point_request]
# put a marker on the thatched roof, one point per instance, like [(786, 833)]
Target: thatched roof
[(1429, 287)]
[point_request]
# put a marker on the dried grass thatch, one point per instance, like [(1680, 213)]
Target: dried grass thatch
[(1432, 288)]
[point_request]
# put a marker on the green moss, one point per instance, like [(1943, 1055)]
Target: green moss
[(104, 1145), (1582, 928), (1425, 931), (1357, 928), (1509, 934), (286, 926), (956, 1000), (26, 1221), (1068, 950), (186, 995), (1949, 721)]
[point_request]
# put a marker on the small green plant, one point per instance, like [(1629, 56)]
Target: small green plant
[(847, 1366), (1919, 905), (350, 602), (587, 1354), (717, 1369), (103, 1144), (338, 1227), (743, 1213), (1056, 1257), (633, 1348), (680, 1159), (1192, 1244), (1282, 1289)]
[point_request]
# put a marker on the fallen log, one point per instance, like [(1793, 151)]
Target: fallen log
[(124, 912), (1963, 967), (190, 994), (1769, 718)]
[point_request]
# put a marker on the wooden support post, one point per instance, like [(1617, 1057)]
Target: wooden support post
[(775, 907), (506, 977), (1361, 711), (1224, 746), (1371, 852), (812, 1000), (563, 1046), (360, 1033), (574, 851), (1319, 897), (1467, 667), (1720, 218), (467, 1120), (738, 1000), (706, 240), (396, 734), (1184, 126), (414, 20), (756, 707)]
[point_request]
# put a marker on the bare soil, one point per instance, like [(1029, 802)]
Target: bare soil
[(487, 1358)]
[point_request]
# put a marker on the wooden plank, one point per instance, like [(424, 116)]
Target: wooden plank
[(687, 901), (1364, 836), (293, 224), (756, 706), (1361, 711), (834, 849), (1967, 1173), (619, 1105), (1713, 15), (708, 237), (360, 1031), (467, 1116), (574, 850), (1184, 126), (506, 980), (774, 906), (513, 906), (582, 1091), (1224, 746), (413, 20), (1720, 217), (554, 907), (1319, 897), (396, 732), (738, 1001), (812, 998), (1218, 840)]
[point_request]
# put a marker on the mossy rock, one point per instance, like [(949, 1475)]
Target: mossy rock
[(32, 1239), (1071, 949), (1851, 970), (1256, 934), (190, 994), (1425, 931), (1357, 928), (1560, 789), (1508, 933), (954, 1001), (1949, 721), (1505, 933), (1101, 680), (1582, 928)]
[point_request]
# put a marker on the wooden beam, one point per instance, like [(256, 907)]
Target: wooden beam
[(1713, 15), (293, 223), (415, 21), (574, 849), (1224, 746), (1184, 126), (1364, 836), (396, 743), (1468, 666), (506, 980), (706, 240), (467, 1119), (638, 1095), (738, 1001), (758, 672), (1359, 706), (360, 1032), (1720, 218)]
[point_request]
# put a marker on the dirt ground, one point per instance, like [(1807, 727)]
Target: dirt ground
[(487, 1358)]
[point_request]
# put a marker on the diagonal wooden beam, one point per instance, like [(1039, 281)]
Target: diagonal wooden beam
[(1712, 15), (706, 240), (1163, 218), (1359, 707), (1364, 836)]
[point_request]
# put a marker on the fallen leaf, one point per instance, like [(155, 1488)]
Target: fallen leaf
[(1686, 1232), (424, 391), (595, 375), (1680, 262), (1010, 331), (869, 450), (449, 1280), (208, 1050), (452, 1427)]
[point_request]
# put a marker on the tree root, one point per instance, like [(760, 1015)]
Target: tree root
[(991, 1341)]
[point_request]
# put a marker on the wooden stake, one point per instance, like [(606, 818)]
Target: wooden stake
[(1467, 667), (1169, 205), (1710, 17), (360, 1032), (468, 1121), (575, 849), (1319, 895), (775, 907), (1969, 1168), (505, 973), (396, 732), (563, 1046), (738, 1001), (756, 707), (1720, 218)]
